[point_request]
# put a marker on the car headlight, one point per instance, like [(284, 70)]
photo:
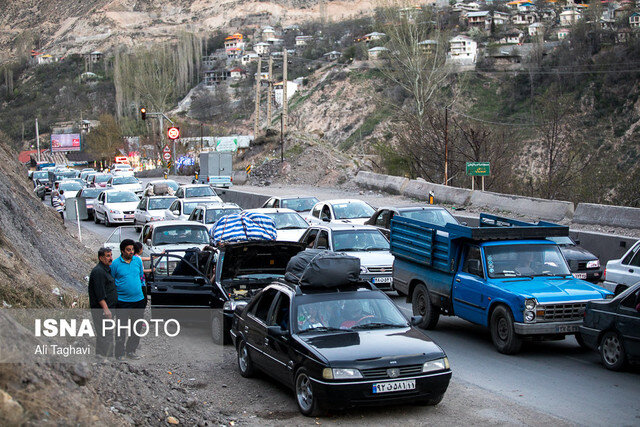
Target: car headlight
[(530, 303), (529, 316), (341, 374), (593, 264), (436, 365), (229, 305), (363, 269)]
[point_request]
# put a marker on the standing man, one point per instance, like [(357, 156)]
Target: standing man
[(102, 298), (127, 271), (57, 200)]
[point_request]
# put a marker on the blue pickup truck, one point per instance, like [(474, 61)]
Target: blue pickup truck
[(504, 274)]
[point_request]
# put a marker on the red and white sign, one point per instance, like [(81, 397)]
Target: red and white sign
[(166, 149), (173, 133), (166, 156)]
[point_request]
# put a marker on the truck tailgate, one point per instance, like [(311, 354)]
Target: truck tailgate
[(416, 242)]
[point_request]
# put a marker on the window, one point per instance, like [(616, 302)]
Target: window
[(632, 300), (143, 204), (174, 206), (310, 238), (180, 192), (276, 203), (383, 219), (326, 213), (261, 309), (632, 252), (473, 261), (316, 211), (323, 240), (635, 261), (270, 203), (146, 233), (280, 315)]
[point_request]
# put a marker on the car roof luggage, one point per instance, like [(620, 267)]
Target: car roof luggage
[(318, 268)]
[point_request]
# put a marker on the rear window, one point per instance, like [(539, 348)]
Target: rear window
[(102, 178), (199, 192), (299, 205)]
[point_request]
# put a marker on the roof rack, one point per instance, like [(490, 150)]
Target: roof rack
[(345, 288)]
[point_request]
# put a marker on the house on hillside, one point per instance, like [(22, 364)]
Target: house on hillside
[(481, 19), (465, 7), (377, 52), (500, 18), (292, 88), (262, 48), (463, 50), (45, 58), (334, 55), (249, 57), (526, 6), (234, 45), (214, 77), (95, 56), (634, 20), (570, 17), (524, 18), (514, 36), (374, 36), (303, 40), (428, 46), (274, 41), (268, 33), (237, 74), (536, 29), (563, 33)]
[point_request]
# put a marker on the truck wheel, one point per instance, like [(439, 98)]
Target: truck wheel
[(422, 306), (612, 352), (503, 333)]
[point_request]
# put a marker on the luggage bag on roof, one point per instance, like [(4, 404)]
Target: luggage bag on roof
[(323, 269)]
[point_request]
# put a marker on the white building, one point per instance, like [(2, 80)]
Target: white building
[(268, 33), (463, 50), (303, 40), (536, 28), (563, 33), (374, 36), (377, 52), (249, 57), (569, 17), (262, 48), (292, 88), (332, 56)]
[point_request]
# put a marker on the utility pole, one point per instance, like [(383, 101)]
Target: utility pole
[(269, 91), (285, 101), (446, 146), (257, 112), (201, 138), (38, 140)]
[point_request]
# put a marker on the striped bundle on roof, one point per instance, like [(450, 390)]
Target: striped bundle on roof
[(243, 227)]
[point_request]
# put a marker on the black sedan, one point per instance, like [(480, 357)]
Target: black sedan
[(338, 348), (612, 327), (582, 263)]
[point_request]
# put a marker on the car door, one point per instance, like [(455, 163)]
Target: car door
[(99, 208), (277, 347), (309, 237), (140, 213), (469, 285), (180, 281), (256, 326), (628, 323), (314, 216)]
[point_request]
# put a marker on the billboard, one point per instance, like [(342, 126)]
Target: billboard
[(65, 142)]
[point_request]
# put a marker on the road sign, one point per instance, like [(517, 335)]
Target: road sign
[(248, 169), (227, 143), (166, 149), (166, 156), (169, 164), (478, 168), (173, 132)]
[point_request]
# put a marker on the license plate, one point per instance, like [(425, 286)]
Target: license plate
[(580, 275), (394, 386), (567, 328), (382, 280), (128, 217)]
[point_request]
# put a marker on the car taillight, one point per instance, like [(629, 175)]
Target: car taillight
[(231, 179), (604, 275), (208, 179)]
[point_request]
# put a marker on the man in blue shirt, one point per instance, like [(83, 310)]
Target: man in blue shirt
[(127, 271)]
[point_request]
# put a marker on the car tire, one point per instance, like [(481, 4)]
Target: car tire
[(305, 399), (422, 306), (217, 328), (106, 220), (503, 333), (245, 364), (612, 352), (95, 218), (581, 342)]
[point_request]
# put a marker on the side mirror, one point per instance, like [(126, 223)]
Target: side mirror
[(148, 242), (464, 223), (176, 212), (325, 219), (415, 320), (277, 332)]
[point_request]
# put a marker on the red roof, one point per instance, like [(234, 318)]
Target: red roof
[(25, 156), (237, 70)]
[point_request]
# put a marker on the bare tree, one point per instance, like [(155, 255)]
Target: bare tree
[(105, 140)]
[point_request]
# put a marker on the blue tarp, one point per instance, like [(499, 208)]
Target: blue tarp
[(243, 227)]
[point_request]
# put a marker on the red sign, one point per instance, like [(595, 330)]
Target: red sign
[(166, 156), (173, 133), (166, 149)]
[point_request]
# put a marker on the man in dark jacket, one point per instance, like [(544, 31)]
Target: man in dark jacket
[(103, 296)]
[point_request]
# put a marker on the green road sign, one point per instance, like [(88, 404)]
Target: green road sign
[(478, 168)]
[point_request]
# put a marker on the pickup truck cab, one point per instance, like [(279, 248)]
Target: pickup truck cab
[(504, 275)]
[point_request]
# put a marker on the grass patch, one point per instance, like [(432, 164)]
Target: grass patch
[(367, 128), (294, 151)]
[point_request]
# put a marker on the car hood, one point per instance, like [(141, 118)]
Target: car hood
[(290, 235), (124, 206), (576, 253), (179, 248), (359, 221), (373, 347), (373, 259), (552, 290)]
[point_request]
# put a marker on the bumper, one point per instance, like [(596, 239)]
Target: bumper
[(120, 219), (341, 395), (589, 336), (374, 278), (591, 275), (548, 328)]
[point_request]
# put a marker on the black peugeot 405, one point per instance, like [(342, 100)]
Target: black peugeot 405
[(338, 347)]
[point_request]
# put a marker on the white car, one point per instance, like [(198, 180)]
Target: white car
[(289, 224), (300, 204), (347, 211), (197, 190), (622, 273), (115, 207), (71, 188), (170, 236), (363, 241), (150, 209), (124, 182), (182, 208), (209, 213)]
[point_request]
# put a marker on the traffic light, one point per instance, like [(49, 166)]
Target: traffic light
[(143, 113)]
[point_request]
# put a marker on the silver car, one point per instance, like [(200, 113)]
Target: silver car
[(151, 209), (624, 272), (209, 213), (182, 208)]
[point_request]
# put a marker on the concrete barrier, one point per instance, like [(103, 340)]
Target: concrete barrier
[(375, 181), (615, 216), (442, 193), (243, 199), (553, 210)]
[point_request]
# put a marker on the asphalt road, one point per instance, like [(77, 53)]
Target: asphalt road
[(557, 378)]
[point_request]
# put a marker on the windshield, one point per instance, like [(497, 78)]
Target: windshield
[(564, 240), (433, 216), (102, 178), (188, 207), (299, 205), (70, 186), (352, 311), (91, 193), (287, 220), (359, 240), (199, 192), (181, 234), (215, 214), (61, 175), (162, 203), (121, 197), (125, 180), (525, 260), (40, 175), (172, 184), (352, 210)]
